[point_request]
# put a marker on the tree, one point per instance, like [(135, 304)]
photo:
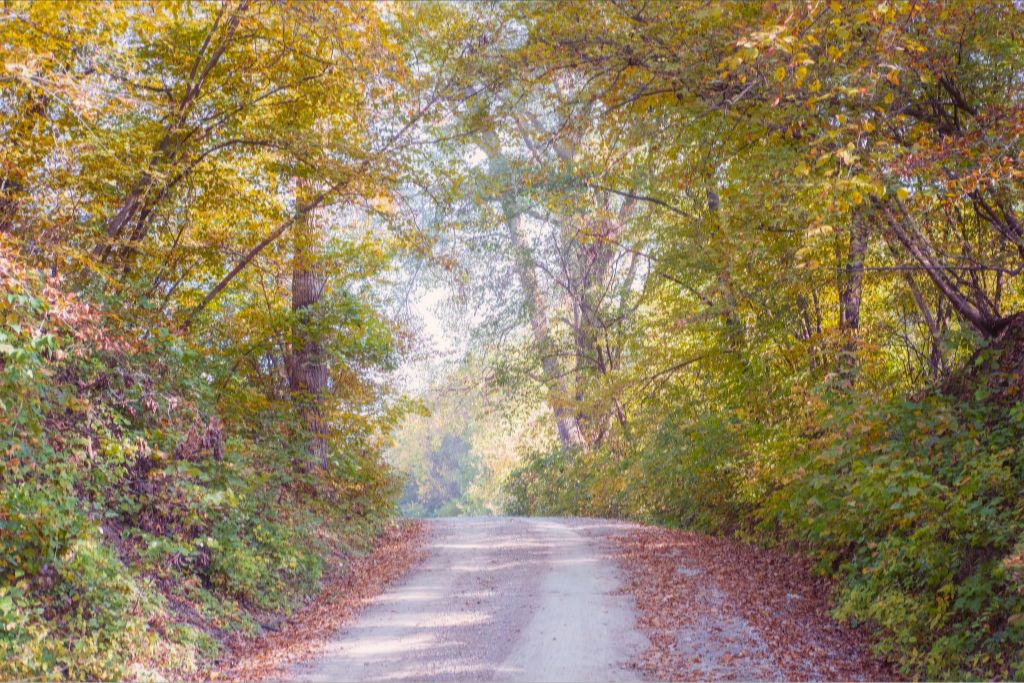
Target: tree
[(308, 372)]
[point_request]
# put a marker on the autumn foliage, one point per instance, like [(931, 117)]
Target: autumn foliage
[(750, 268), (169, 479)]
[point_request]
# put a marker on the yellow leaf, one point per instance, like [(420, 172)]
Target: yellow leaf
[(902, 193), (780, 74)]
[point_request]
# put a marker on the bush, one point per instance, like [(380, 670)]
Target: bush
[(695, 475), (121, 486), (914, 506), (566, 482), (78, 620)]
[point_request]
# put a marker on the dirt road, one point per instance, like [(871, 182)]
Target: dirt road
[(496, 599)]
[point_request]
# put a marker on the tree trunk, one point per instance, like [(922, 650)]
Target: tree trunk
[(850, 295), (936, 362), (308, 368), (902, 228), (569, 435), (721, 251), (591, 285)]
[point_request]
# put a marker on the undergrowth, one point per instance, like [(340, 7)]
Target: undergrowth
[(140, 530), (912, 505)]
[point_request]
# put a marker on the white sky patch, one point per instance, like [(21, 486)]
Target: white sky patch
[(476, 157), (434, 330), (438, 347)]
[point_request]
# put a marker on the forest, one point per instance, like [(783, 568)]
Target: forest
[(276, 272)]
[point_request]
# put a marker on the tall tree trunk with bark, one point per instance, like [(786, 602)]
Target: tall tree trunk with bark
[(718, 245), (569, 435), (590, 272), (851, 289), (308, 368)]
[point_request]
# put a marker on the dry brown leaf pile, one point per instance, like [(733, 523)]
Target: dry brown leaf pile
[(345, 592), (670, 573)]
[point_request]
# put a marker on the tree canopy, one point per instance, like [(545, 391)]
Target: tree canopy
[(748, 268)]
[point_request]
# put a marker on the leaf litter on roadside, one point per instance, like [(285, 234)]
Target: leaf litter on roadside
[(344, 593), (718, 609)]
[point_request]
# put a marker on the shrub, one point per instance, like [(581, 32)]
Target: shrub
[(121, 486), (914, 506)]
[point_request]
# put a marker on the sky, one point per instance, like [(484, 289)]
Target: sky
[(439, 345)]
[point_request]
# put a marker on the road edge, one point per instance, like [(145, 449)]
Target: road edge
[(342, 596), (669, 572)]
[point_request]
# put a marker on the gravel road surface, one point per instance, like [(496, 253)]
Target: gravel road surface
[(496, 599)]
